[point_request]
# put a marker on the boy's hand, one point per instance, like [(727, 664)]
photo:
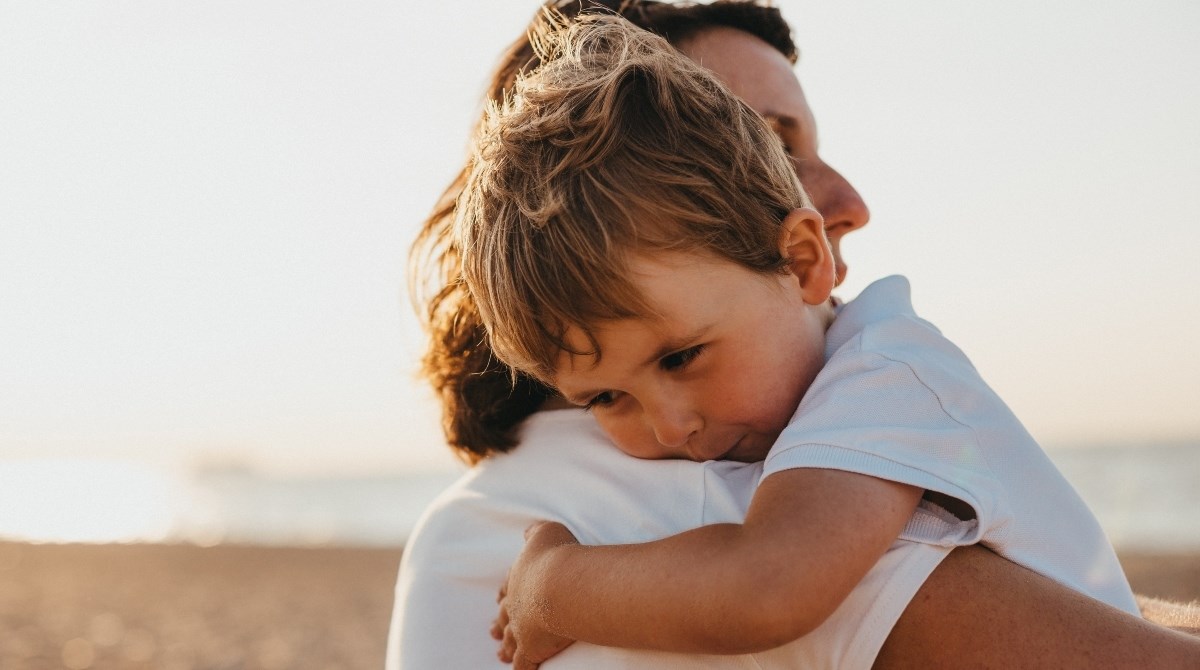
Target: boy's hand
[(521, 627)]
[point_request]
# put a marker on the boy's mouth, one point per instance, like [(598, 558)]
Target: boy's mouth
[(739, 452)]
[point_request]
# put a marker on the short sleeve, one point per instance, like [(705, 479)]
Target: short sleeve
[(872, 414)]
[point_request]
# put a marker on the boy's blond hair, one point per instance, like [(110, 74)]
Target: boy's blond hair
[(617, 145)]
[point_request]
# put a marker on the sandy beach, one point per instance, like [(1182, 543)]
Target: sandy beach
[(177, 607), (172, 607)]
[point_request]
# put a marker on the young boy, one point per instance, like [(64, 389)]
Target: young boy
[(635, 236)]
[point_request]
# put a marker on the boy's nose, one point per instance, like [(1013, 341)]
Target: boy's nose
[(674, 427)]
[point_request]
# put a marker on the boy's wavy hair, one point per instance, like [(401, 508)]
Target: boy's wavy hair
[(616, 145), (483, 401)]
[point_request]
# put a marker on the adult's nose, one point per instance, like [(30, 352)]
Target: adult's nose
[(838, 201), (842, 207)]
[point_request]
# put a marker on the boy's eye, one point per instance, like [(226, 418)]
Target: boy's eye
[(599, 400), (680, 358)]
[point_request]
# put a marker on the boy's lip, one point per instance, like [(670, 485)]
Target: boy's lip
[(735, 453)]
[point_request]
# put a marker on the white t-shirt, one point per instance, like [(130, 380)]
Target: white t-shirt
[(566, 469), (898, 401)]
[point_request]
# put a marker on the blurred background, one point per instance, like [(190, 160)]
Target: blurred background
[(205, 210)]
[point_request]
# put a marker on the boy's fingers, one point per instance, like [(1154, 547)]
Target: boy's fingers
[(508, 647), (522, 662), (500, 622), (497, 629)]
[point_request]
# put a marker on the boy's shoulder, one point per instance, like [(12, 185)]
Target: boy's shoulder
[(881, 321), (881, 301), (882, 305)]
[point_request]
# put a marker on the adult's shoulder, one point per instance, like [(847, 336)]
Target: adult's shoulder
[(565, 469)]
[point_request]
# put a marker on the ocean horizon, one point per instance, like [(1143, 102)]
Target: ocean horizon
[(1147, 498)]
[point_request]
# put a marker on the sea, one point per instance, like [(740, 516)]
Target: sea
[(1147, 498)]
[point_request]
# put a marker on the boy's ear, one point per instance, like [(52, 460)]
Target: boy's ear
[(803, 243)]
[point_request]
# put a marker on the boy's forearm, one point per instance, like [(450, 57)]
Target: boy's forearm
[(809, 538), (692, 592)]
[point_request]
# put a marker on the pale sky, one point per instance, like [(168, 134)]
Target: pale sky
[(205, 210)]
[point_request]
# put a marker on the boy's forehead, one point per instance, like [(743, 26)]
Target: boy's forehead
[(583, 343), (576, 352), (578, 356), (586, 344)]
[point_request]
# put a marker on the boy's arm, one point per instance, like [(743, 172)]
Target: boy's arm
[(809, 537)]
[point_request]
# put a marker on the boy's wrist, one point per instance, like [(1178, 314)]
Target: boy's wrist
[(550, 550), (554, 564)]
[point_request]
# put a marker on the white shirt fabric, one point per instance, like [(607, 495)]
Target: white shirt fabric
[(566, 469), (898, 401)]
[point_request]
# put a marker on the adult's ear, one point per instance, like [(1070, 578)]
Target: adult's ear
[(803, 243)]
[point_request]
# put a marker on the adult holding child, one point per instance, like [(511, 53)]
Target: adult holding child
[(564, 469)]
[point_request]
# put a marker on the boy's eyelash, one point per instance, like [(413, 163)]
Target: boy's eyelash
[(598, 400), (680, 358)]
